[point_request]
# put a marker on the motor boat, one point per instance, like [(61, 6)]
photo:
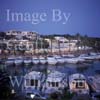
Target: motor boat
[(55, 82), (87, 57), (78, 84), (51, 60), (95, 55), (18, 60), (35, 60), (10, 60), (42, 60), (27, 60), (33, 81), (59, 59), (72, 59)]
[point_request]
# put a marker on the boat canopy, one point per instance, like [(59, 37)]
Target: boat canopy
[(55, 76), (33, 75)]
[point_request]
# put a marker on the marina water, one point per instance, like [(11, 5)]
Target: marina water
[(17, 72)]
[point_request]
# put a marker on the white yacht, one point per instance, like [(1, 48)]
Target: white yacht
[(18, 60), (78, 84), (35, 60), (10, 60), (51, 60), (33, 81), (95, 55), (98, 56), (42, 60), (59, 59), (27, 60), (87, 57), (72, 59), (55, 82)]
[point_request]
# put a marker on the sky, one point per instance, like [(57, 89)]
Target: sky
[(54, 16)]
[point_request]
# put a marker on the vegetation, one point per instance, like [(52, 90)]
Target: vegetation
[(83, 40), (4, 85)]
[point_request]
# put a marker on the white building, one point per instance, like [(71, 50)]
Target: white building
[(21, 34)]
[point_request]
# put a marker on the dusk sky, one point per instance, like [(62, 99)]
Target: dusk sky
[(82, 16)]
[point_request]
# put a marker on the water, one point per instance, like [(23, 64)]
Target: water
[(87, 69)]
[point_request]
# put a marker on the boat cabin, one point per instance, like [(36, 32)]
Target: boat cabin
[(33, 81), (56, 81), (78, 84)]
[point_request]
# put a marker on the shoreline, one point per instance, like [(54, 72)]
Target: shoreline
[(18, 53)]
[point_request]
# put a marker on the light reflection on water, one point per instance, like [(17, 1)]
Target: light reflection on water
[(20, 71), (87, 69)]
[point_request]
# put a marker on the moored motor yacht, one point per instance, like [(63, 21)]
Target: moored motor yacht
[(35, 60), (42, 60), (78, 84), (18, 60), (95, 55), (72, 59), (55, 82), (33, 81), (87, 57), (59, 59), (51, 60), (27, 60), (10, 60)]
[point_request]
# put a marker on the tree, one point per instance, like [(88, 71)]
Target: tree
[(51, 40), (69, 41), (2, 35), (59, 47), (4, 85), (85, 41), (78, 37), (67, 36)]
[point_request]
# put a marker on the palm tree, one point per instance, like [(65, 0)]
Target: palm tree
[(51, 40), (2, 35), (78, 37), (85, 41), (69, 46), (67, 36), (37, 46), (59, 47), (34, 47), (51, 37)]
